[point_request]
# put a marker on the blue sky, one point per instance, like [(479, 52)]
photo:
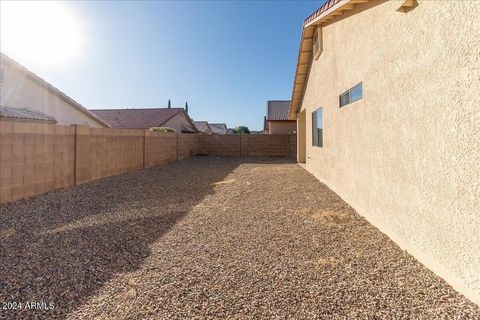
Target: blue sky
[(225, 58)]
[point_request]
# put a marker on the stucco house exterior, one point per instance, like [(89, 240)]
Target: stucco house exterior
[(386, 98), (203, 127), (175, 118), (21, 88), (276, 120)]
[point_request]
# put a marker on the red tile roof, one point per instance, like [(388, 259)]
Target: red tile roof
[(136, 118), (219, 128)]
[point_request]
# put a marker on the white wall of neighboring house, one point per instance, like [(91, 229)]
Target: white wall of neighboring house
[(19, 90)]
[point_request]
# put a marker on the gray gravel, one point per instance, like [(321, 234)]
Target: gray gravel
[(210, 238)]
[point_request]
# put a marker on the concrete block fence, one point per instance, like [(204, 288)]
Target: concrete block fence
[(37, 158), (248, 145)]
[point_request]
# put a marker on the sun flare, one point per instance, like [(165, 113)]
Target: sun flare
[(43, 32)]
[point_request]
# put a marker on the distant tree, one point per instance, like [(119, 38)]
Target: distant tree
[(241, 129)]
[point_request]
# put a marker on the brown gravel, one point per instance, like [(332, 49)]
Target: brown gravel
[(210, 238)]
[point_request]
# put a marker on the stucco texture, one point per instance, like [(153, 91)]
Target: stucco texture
[(407, 155), (282, 127), (180, 123)]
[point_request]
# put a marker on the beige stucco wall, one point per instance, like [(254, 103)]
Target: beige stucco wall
[(282, 127), (179, 122), (20, 91), (406, 156)]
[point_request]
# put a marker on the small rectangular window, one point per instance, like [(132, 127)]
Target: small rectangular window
[(317, 128), (2, 75), (344, 99), (317, 43), (351, 95)]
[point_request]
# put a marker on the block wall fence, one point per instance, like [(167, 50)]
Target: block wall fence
[(38, 158), (283, 145)]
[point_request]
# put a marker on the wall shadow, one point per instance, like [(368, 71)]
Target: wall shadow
[(63, 246)]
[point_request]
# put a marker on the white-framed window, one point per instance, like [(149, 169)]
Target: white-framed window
[(317, 128), (351, 95)]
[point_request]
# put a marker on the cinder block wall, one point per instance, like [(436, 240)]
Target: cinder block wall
[(34, 158), (248, 145), (160, 148), (186, 145), (103, 152), (265, 145), (293, 145), (37, 158), (220, 145)]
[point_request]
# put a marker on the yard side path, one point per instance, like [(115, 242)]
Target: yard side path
[(208, 237)]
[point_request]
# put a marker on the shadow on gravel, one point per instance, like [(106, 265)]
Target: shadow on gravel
[(62, 247)]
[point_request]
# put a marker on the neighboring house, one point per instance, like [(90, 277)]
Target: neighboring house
[(21, 88), (230, 131), (219, 128), (386, 98), (203, 127), (174, 118), (25, 115), (276, 121)]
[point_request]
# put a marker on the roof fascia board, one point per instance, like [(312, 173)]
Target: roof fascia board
[(301, 78)]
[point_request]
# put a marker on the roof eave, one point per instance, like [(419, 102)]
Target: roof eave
[(330, 11)]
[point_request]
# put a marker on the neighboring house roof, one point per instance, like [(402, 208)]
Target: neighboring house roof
[(51, 88), (203, 126), (138, 118), (277, 110), (219, 128), (25, 114), (331, 10), (230, 131)]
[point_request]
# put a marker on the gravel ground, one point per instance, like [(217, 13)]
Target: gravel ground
[(210, 238)]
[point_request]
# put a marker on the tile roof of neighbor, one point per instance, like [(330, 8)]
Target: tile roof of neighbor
[(277, 110), (136, 118), (25, 113), (199, 124), (51, 88), (220, 128)]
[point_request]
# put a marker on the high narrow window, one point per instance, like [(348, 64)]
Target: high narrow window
[(317, 43), (317, 128), (2, 75), (351, 95)]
